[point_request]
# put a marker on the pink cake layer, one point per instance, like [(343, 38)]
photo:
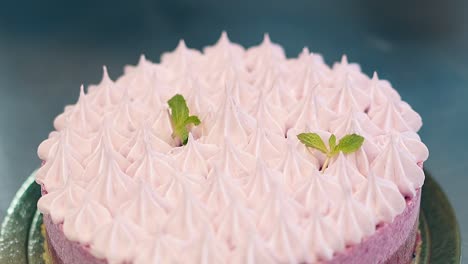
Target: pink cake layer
[(391, 243)]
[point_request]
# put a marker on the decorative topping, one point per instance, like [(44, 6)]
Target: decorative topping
[(61, 201), (81, 117), (322, 238), (193, 157), (295, 167), (187, 219), (409, 141), (269, 146), (182, 58), (348, 98), (233, 159), (278, 223), (286, 241), (146, 209), (231, 122), (279, 95), (235, 224), (111, 186), (224, 54), (345, 173), (206, 248), (312, 71), (315, 191), (134, 176), (348, 144), (396, 116), (104, 153), (106, 94), (354, 122), (179, 186), (353, 220), (180, 118), (116, 241), (63, 161), (127, 117), (153, 168), (82, 223), (198, 98), (161, 248), (265, 52), (268, 116), (161, 126), (220, 191), (381, 91), (254, 250), (260, 182), (353, 70), (397, 165), (382, 197), (143, 141), (309, 113), (109, 140), (359, 123)]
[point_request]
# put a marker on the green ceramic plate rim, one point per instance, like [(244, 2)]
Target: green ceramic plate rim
[(14, 232), (21, 241), (445, 243)]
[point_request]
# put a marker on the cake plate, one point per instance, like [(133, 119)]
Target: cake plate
[(21, 239)]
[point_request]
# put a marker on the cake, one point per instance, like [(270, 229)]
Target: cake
[(119, 185)]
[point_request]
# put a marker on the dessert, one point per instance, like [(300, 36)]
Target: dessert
[(119, 184)]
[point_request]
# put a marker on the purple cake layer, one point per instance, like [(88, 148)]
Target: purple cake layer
[(391, 243), (64, 251)]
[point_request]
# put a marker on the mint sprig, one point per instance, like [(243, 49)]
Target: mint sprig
[(180, 118), (347, 144)]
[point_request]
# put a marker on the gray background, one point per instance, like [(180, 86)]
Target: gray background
[(48, 48)]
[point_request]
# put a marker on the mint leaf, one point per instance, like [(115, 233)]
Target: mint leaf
[(179, 109), (332, 144), (180, 118), (350, 143), (313, 140), (192, 120)]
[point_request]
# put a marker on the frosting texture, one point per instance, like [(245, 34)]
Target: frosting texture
[(243, 190)]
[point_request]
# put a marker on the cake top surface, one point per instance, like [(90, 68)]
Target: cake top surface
[(243, 189)]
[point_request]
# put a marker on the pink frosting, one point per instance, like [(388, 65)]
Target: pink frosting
[(243, 188)]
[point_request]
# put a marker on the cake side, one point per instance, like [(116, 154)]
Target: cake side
[(117, 179), (392, 243)]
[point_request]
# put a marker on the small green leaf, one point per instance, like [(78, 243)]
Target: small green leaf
[(332, 142), (180, 118), (179, 109), (184, 136), (350, 143), (313, 140), (347, 144), (192, 120)]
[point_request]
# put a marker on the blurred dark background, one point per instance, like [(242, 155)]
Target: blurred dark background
[(48, 48)]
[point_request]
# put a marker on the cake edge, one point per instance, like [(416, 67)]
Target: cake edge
[(391, 243)]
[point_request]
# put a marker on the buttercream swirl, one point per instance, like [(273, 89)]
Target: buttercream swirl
[(81, 117), (194, 156), (230, 121), (398, 165), (82, 223), (322, 238), (381, 196)]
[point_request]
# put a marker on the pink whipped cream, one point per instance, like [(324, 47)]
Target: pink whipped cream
[(243, 190)]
